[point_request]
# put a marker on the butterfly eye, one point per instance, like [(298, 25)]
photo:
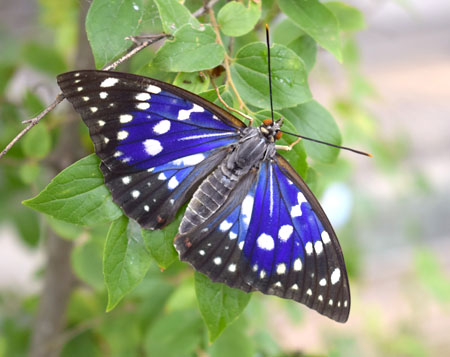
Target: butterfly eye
[(278, 135), (267, 121)]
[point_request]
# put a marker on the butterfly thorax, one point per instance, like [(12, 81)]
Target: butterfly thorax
[(253, 148)]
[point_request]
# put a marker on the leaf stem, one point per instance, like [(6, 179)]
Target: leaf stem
[(226, 62)]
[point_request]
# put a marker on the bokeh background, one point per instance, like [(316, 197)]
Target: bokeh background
[(392, 212)]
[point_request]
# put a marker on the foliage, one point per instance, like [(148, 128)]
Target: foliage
[(170, 312)]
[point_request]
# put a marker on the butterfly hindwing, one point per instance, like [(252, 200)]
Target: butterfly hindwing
[(277, 240), (156, 141)]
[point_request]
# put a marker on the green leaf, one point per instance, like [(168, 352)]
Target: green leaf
[(29, 172), (289, 83), (305, 47), (77, 195), (108, 22), (177, 334), (296, 156), (87, 262), (317, 21), (349, 17), (286, 32), (191, 50), (125, 259), (28, 225), (234, 342), (37, 142), (160, 242), (236, 20), (193, 82), (174, 15), (44, 58), (314, 121), (219, 304), (63, 229)]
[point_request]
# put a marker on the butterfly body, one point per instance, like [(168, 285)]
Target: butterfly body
[(251, 222)]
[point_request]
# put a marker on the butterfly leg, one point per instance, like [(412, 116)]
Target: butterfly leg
[(250, 119), (287, 147)]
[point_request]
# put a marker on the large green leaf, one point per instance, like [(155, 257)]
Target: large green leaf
[(234, 342), (317, 21), (174, 15), (305, 47), (37, 143), (219, 304), (349, 17), (125, 259), (313, 120), (77, 195), (236, 20), (177, 334), (160, 242), (108, 22), (191, 50), (289, 82)]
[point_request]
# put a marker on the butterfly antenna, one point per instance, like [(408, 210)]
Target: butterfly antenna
[(329, 144), (270, 71)]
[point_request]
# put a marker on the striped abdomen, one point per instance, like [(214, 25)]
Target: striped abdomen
[(210, 195)]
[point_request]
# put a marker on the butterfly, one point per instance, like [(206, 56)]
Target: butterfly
[(251, 221)]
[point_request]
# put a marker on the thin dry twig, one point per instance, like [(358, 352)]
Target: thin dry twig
[(150, 40), (60, 97)]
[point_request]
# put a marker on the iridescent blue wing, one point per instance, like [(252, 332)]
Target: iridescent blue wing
[(156, 141), (277, 240)]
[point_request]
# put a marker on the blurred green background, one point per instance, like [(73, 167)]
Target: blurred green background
[(390, 97)]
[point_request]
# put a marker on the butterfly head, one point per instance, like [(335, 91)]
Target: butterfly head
[(272, 129)]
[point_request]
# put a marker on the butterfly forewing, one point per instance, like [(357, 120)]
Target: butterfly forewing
[(156, 141)]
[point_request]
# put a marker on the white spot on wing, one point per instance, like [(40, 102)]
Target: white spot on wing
[(247, 208), (109, 82), (225, 225), (201, 252), (184, 114), (323, 282), (320, 298), (265, 242), (143, 96), (318, 247), (93, 109), (281, 268), (217, 260), (232, 268), (122, 135), (232, 235), (189, 160), (308, 248), (162, 127), (335, 276), (146, 208), (241, 245), (162, 176), (173, 182), (143, 106), (135, 193), (294, 287), (153, 89), (125, 118), (85, 99), (101, 123), (325, 237), (309, 292), (262, 274), (285, 232), (126, 180), (152, 147), (79, 89), (103, 95), (298, 264)]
